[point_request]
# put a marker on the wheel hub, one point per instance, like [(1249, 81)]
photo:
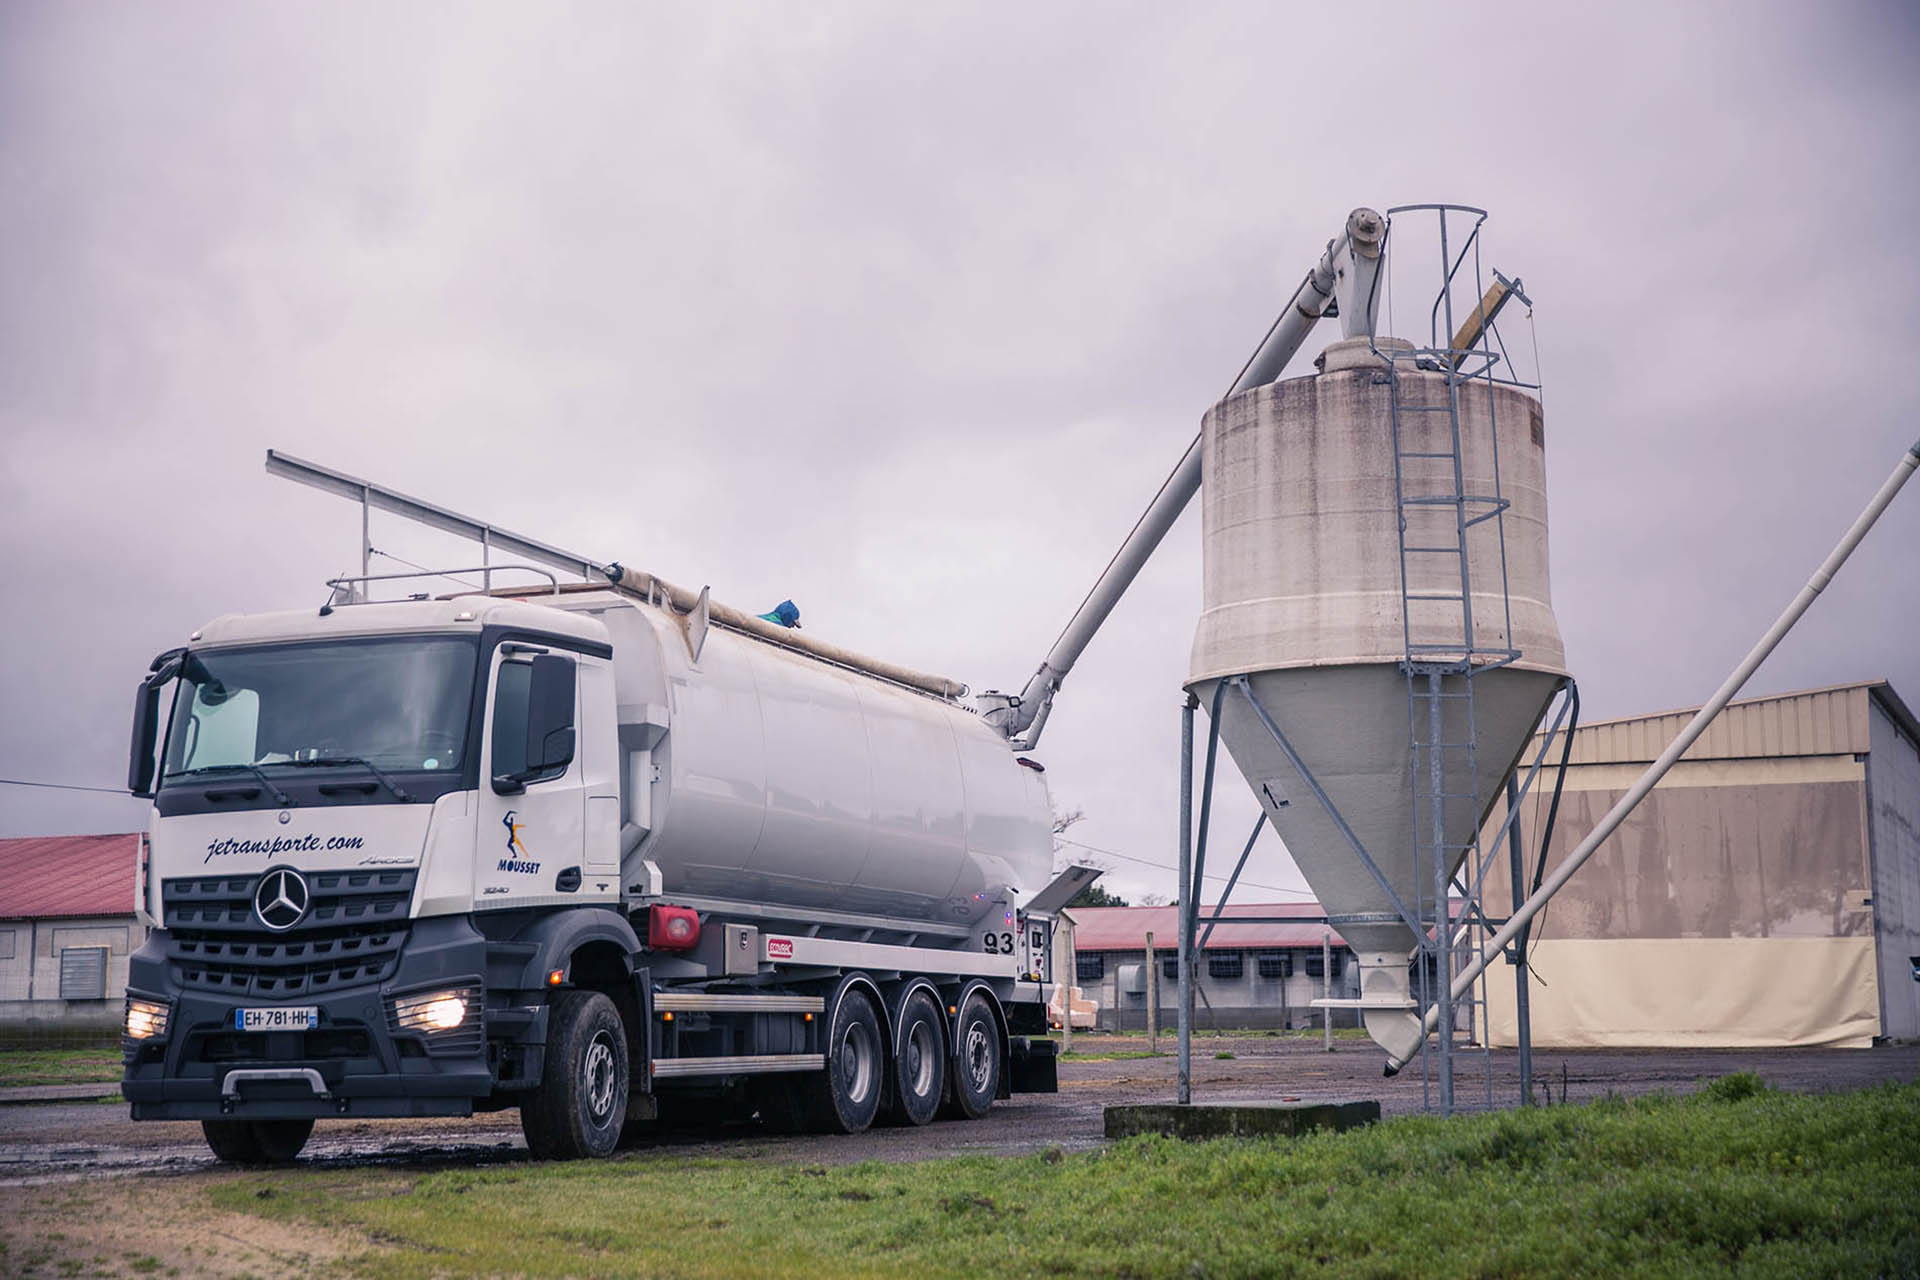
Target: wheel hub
[(979, 1063), (598, 1075)]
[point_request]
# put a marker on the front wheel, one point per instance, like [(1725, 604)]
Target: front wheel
[(257, 1141), (581, 1102)]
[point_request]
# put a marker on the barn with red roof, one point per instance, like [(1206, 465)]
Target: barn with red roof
[(66, 928), (1262, 973)]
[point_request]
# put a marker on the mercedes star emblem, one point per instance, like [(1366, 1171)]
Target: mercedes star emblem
[(281, 899)]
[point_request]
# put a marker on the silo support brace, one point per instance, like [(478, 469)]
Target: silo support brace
[(1183, 1071), (1326, 802), (1220, 907), (1497, 945), (1508, 829)]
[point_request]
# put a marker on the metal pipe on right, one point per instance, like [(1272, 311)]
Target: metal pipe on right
[(1497, 944)]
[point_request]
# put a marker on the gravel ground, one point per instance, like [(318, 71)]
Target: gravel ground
[(56, 1142)]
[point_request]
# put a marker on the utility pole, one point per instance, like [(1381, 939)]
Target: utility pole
[(1326, 986), (1153, 998), (1066, 989)]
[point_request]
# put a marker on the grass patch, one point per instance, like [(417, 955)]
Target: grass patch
[(1108, 1055), (1762, 1184), (20, 1067)]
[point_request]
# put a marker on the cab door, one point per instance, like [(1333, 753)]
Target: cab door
[(532, 793)]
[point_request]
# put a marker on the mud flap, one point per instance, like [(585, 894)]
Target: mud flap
[(1034, 1066)]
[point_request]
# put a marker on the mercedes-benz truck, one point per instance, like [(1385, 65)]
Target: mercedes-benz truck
[(604, 852)]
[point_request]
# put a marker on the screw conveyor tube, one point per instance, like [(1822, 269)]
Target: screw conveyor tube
[(1363, 236)]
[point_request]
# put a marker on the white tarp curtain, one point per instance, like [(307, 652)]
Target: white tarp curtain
[(1730, 910), (1717, 993)]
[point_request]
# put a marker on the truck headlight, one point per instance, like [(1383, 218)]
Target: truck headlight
[(145, 1019), (432, 1011)]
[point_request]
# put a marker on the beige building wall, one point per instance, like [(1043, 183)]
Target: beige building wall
[(30, 954), (1732, 909)]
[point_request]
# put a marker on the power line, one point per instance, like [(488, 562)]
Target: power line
[(61, 786), (422, 568), (1251, 884)]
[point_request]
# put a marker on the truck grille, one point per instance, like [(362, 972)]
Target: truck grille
[(355, 925)]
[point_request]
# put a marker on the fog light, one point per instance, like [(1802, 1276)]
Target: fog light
[(145, 1019), (434, 1010), (446, 1014)]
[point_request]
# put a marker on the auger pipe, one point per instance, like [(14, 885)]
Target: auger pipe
[(1678, 747), (1361, 241)]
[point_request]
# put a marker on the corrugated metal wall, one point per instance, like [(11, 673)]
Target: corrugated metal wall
[(1893, 793), (1820, 722)]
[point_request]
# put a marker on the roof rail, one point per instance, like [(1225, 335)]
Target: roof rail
[(344, 593)]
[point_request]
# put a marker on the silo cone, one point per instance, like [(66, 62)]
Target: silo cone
[(1302, 596)]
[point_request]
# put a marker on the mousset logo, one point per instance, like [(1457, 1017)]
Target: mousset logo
[(516, 859), (281, 899)]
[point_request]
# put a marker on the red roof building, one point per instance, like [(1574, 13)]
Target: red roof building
[(1126, 928), (61, 877), (1264, 973)]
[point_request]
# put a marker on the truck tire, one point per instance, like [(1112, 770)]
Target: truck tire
[(845, 1097), (919, 1060), (976, 1059), (581, 1101), (256, 1141)]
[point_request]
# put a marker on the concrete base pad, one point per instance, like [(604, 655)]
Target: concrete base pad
[(1238, 1119)]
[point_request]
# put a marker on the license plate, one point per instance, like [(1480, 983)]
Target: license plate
[(303, 1017)]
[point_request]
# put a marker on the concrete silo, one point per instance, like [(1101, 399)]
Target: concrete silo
[(1377, 641)]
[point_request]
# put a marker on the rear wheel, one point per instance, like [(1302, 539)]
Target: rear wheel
[(976, 1059), (919, 1060), (845, 1097), (256, 1141), (581, 1102)]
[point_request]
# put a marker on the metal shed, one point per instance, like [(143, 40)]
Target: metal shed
[(1766, 894)]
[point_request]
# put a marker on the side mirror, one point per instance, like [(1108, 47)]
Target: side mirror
[(532, 721), (550, 714), (146, 721)]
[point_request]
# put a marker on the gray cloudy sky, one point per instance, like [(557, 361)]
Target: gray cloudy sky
[(905, 311)]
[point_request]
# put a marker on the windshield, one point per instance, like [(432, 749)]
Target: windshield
[(398, 704)]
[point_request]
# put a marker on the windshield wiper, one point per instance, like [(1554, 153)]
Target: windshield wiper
[(330, 762), (279, 796)]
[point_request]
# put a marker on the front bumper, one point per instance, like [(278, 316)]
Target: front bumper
[(354, 1063)]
